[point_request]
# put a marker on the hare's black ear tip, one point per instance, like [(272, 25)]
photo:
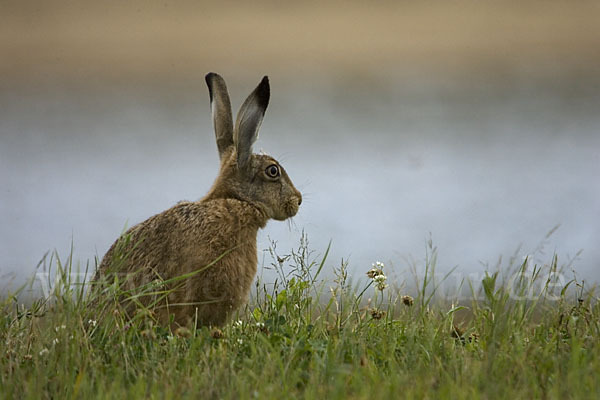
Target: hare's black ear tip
[(264, 84), (264, 91), (212, 77), (209, 78)]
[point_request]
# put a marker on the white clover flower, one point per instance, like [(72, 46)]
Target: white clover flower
[(44, 351), (377, 275), (380, 281)]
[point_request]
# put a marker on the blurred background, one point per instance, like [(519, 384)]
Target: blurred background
[(475, 124)]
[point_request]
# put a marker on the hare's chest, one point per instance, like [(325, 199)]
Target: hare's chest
[(244, 266), (236, 272)]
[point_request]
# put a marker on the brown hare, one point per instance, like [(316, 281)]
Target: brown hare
[(212, 242)]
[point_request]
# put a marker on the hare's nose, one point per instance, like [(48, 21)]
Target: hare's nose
[(299, 199)]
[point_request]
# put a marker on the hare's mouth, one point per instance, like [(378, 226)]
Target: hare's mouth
[(292, 207), (289, 209)]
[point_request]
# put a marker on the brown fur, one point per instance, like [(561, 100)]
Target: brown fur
[(220, 229)]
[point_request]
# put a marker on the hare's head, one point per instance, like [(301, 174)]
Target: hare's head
[(255, 178)]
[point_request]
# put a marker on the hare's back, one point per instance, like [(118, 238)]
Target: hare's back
[(184, 236), (155, 241)]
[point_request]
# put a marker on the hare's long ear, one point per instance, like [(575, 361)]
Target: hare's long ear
[(221, 111), (248, 121)]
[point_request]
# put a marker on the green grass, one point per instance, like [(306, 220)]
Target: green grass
[(304, 337)]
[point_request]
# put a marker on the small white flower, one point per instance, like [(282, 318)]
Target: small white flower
[(44, 351), (239, 322), (55, 341), (260, 325), (240, 341), (92, 322), (60, 327), (380, 282)]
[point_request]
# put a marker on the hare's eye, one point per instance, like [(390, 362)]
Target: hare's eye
[(272, 171)]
